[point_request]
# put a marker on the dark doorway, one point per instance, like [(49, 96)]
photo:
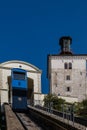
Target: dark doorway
[(30, 94)]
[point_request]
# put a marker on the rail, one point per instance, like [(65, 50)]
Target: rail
[(64, 123), (44, 119)]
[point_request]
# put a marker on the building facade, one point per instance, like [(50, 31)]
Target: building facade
[(67, 73), (33, 77)]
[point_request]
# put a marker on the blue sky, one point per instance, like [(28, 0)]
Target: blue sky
[(30, 30)]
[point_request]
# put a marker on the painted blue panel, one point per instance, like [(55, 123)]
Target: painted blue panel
[(19, 84), (19, 102), (19, 78)]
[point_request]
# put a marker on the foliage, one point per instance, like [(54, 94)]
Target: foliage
[(52, 99), (77, 107), (81, 108), (84, 102)]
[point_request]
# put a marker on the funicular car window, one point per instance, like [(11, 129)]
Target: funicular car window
[(19, 75)]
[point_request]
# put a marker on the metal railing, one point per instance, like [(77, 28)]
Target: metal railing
[(65, 115)]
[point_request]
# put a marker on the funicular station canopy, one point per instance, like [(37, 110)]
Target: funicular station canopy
[(33, 81)]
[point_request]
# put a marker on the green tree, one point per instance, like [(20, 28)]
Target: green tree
[(84, 102), (54, 100), (81, 108)]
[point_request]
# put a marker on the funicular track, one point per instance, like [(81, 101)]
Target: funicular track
[(27, 122), (19, 121), (36, 119)]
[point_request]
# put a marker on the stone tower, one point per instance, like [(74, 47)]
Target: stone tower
[(67, 73)]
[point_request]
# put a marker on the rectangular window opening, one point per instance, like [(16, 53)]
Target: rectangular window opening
[(68, 89), (68, 77)]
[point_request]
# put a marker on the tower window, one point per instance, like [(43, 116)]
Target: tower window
[(68, 89), (70, 65), (58, 94), (55, 84), (66, 66), (68, 77), (80, 73), (66, 45)]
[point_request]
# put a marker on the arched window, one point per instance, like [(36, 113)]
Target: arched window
[(70, 65), (66, 66)]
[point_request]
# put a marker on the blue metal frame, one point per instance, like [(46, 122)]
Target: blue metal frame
[(19, 89)]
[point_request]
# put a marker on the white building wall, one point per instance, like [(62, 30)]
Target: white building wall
[(78, 79), (4, 85)]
